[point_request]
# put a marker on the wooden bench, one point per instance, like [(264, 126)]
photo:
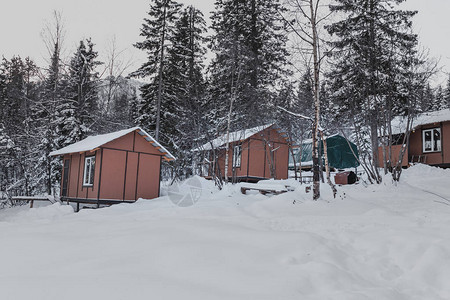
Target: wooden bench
[(266, 189), (31, 199)]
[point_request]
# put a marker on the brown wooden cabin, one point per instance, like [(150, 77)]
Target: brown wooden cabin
[(254, 154), (117, 167), (429, 141)]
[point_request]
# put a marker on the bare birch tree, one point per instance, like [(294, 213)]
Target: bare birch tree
[(305, 26), (115, 68)]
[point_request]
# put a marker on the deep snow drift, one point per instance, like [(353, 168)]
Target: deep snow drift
[(375, 242)]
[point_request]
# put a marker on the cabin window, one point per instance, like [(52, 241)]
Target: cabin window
[(237, 154), (89, 169), (431, 140), (397, 139)]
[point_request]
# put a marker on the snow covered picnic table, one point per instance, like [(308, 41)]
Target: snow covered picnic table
[(306, 178), (266, 188)]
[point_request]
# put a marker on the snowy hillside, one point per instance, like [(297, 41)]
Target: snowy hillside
[(376, 242)]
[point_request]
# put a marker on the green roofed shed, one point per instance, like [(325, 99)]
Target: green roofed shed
[(341, 153)]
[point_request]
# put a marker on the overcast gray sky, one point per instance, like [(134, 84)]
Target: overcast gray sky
[(22, 21)]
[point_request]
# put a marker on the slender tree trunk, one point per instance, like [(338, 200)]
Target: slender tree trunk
[(227, 147), (383, 141), (300, 153), (293, 160), (397, 170), (315, 136), (270, 156), (389, 124), (321, 160), (327, 167), (230, 112), (373, 92), (374, 142)]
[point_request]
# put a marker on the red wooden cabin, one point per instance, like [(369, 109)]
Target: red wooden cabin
[(254, 154), (429, 140), (122, 166)]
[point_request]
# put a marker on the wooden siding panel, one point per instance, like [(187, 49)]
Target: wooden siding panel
[(268, 161), (282, 161), (123, 143), (275, 136), (395, 151), (141, 145), (415, 143), (242, 171), (256, 158), (67, 156), (446, 141), (434, 158), (73, 174), (113, 173), (148, 178), (271, 135), (130, 185)]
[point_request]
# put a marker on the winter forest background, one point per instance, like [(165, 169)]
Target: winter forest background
[(358, 59)]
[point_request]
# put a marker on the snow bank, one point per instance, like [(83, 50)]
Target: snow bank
[(428, 179), (376, 242), (43, 212)]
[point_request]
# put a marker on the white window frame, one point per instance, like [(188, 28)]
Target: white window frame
[(237, 156), (439, 145), (88, 176)]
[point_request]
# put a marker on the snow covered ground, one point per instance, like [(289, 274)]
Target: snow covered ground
[(375, 242)]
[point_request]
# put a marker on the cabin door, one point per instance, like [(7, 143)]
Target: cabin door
[(65, 177)]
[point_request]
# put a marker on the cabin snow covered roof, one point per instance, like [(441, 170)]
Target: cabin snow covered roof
[(399, 123), (93, 142), (235, 136)]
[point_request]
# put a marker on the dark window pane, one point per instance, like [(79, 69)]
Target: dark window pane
[(92, 171), (437, 139), (427, 140)]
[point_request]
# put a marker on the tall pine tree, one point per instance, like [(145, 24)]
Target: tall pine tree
[(185, 74), (79, 109), (447, 92), (158, 30), (46, 115), (250, 56), (371, 40), (18, 93)]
